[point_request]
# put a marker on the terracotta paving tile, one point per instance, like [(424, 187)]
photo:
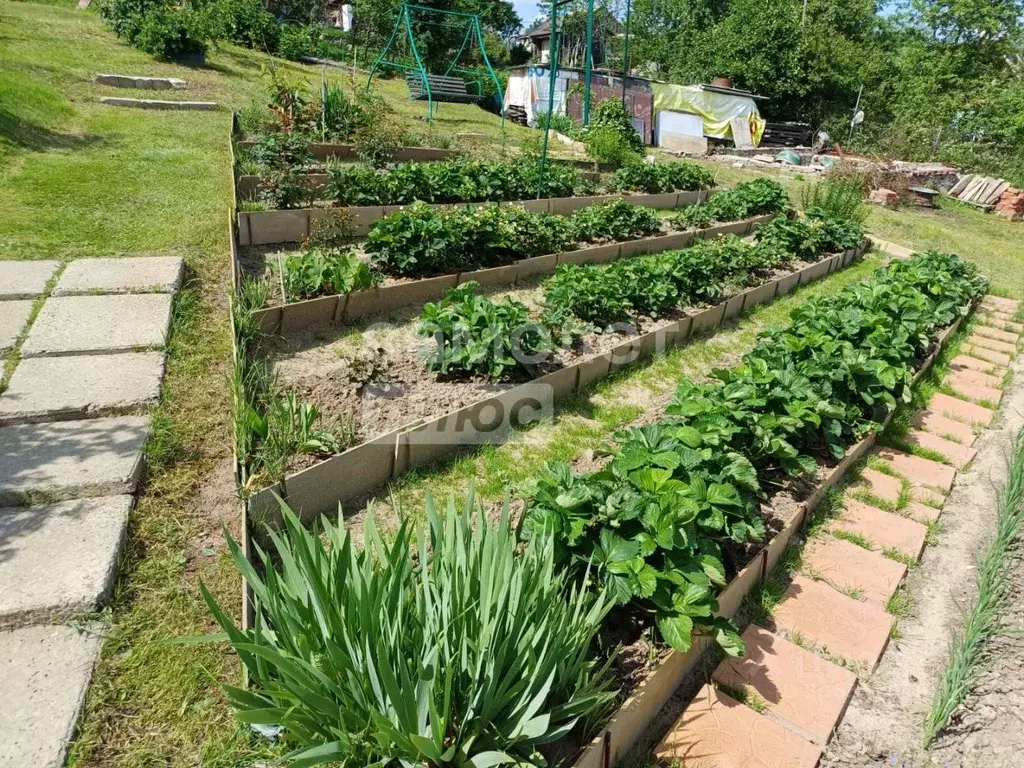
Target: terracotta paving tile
[(1009, 305), (920, 472), (977, 378), (844, 565), (797, 686), (885, 530), (832, 621), (995, 346), (1002, 322), (1005, 319), (885, 487), (716, 730), (961, 410), (986, 354), (949, 428), (972, 391), (957, 454), (965, 362), (921, 512), (927, 496), (997, 333)]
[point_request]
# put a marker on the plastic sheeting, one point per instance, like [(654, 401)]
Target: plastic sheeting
[(530, 92), (716, 109)]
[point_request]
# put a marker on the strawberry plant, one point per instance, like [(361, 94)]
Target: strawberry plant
[(751, 198), (799, 238), (322, 272), (614, 220), (654, 178), (476, 336)]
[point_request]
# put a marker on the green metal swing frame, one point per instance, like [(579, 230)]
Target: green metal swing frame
[(469, 21)]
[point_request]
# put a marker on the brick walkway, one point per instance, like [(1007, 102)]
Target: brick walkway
[(832, 625), (73, 426)]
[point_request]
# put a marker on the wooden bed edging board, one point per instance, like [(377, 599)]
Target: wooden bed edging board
[(362, 469), (322, 150), (632, 719), (290, 226), (341, 309)]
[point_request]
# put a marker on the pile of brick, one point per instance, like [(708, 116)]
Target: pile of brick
[(1011, 204)]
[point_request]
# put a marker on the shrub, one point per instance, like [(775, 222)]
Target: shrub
[(156, 27), (379, 136), (248, 23), (470, 652), (610, 116), (614, 220), (838, 198), (296, 41), (281, 151), (476, 336), (561, 123), (283, 189)]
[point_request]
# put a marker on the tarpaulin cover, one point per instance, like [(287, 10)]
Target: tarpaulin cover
[(716, 109)]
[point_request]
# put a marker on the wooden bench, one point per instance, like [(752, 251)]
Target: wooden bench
[(442, 88)]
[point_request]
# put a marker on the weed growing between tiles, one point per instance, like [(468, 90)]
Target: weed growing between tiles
[(967, 646)]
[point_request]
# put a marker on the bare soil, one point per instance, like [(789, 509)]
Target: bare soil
[(883, 724)]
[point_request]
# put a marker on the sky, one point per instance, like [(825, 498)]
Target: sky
[(527, 10)]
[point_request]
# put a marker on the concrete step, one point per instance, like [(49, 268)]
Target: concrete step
[(77, 325), (45, 672), (43, 463), (25, 279), (59, 561), (129, 274), (62, 388)]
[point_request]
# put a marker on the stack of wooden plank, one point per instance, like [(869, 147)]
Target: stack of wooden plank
[(516, 114), (982, 191), (786, 135)]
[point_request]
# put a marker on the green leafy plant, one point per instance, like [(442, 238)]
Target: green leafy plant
[(612, 122), (476, 336), (654, 178), (797, 237), (316, 272), (836, 198), (614, 220), (471, 654), (750, 198)]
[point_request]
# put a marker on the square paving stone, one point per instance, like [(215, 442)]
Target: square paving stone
[(974, 378), (848, 628), (96, 457), (89, 324), (997, 333), (998, 358), (966, 362), (961, 410), (59, 561), (885, 530), (844, 565), (955, 453), (131, 274), (46, 671), (13, 317), (944, 426), (716, 730), (971, 389), (920, 472), (52, 388), (995, 346), (885, 487), (25, 279), (922, 512), (794, 684)]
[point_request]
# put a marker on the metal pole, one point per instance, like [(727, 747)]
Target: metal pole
[(589, 66), (625, 53), (554, 46), (854, 116)]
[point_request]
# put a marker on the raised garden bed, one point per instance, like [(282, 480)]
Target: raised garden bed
[(290, 226), (360, 470), (344, 309), (334, 151)]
